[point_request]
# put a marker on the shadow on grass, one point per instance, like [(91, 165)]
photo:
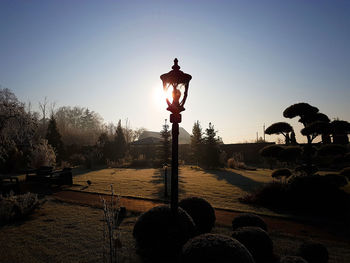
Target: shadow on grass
[(236, 179), (80, 170), (158, 179)]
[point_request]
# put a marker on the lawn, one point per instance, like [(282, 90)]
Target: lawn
[(221, 188), (61, 232)]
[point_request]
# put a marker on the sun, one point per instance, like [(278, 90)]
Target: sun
[(159, 96)]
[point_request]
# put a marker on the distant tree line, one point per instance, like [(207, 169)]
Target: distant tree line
[(67, 135), (205, 149)]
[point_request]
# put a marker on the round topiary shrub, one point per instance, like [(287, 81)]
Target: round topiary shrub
[(159, 233), (208, 248), (258, 243), (201, 211), (292, 259), (279, 173), (248, 220), (313, 252)]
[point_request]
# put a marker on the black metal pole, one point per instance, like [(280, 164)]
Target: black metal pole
[(174, 166)]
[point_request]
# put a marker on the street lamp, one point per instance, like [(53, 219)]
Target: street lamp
[(177, 81)]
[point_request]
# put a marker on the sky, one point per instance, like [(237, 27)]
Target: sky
[(249, 60)]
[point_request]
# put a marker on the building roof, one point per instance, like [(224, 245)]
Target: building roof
[(152, 137)]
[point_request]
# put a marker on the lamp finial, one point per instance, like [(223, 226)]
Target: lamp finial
[(176, 66)]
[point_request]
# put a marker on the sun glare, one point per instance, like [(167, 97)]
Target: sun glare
[(160, 96)]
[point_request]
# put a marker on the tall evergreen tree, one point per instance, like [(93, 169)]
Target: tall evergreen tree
[(211, 149), (196, 143), (105, 146), (165, 133), (54, 138), (119, 142)]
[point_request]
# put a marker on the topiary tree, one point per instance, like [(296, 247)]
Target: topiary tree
[(340, 130), (258, 243), (280, 128), (317, 128), (208, 248), (308, 114), (305, 111), (290, 154), (160, 234), (248, 219), (201, 211)]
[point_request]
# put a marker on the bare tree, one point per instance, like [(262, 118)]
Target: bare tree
[(42, 106)]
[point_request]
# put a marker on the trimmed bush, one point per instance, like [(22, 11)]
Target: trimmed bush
[(248, 220), (201, 211), (309, 194), (159, 234), (271, 151), (283, 172), (313, 252), (289, 154), (208, 248), (292, 259), (332, 149), (258, 243)]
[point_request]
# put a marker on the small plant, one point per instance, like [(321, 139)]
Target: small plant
[(234, 163), (111, 232), (15, 207)]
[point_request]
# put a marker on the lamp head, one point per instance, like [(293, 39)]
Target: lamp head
[(178, 82)]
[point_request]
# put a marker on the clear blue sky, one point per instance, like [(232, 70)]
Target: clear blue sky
[(249, 59)]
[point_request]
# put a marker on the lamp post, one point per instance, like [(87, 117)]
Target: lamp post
[(177, 81)]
